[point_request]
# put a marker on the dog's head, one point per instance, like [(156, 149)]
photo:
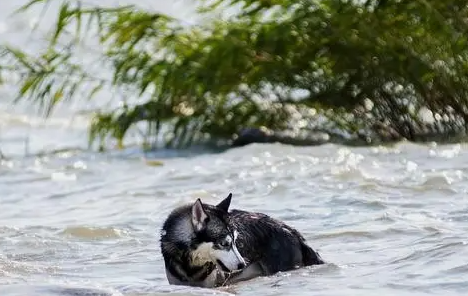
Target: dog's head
[(215, 240)]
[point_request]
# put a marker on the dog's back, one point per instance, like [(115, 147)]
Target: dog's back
[(271, 245)]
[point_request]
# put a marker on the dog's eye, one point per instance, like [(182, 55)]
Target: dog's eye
[(224, 244)]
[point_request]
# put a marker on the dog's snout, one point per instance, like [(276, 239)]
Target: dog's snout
[(241, 265)]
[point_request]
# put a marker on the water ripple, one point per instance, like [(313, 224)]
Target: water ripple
[(390, 220), (93, 233)]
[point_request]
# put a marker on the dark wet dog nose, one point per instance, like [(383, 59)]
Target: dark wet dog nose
[(240, 265)]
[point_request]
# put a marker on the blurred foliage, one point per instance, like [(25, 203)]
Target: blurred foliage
[(375, 70)]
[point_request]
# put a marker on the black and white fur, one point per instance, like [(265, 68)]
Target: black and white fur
[(208, 246)]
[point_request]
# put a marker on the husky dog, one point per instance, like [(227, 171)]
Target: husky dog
[(207, 246)]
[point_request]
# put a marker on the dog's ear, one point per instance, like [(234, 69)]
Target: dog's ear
[(225, 203), (199, 216)]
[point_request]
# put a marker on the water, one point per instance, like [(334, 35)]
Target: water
[(388, 220)]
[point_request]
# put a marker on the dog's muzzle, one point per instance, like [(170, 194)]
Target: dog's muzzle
[(223, 267)]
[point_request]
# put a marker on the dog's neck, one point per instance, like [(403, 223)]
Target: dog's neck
[(199, 273), (185, 271)]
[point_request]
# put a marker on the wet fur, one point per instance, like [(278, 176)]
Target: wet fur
[(186, 245), (266, 244), (269, 245)]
